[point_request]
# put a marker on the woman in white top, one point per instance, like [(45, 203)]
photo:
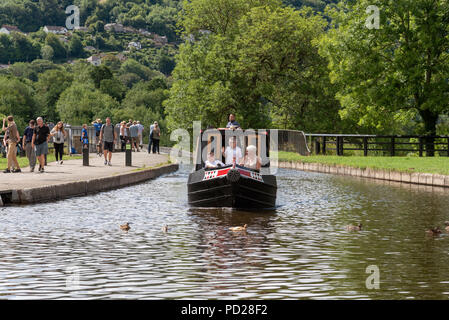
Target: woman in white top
[(59, 134), (251, 160), (232, 152)]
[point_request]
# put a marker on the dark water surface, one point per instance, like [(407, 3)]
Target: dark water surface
[(75, 249)]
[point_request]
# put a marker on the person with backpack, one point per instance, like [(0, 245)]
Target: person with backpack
[(41, 136), (108, 137), (26, 143)]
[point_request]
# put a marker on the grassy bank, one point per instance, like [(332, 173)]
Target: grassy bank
[(23, 161), (437, 165)]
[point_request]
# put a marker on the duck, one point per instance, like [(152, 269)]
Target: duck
[(239, 228), (354, 228), (446, 223), (125, 227), (165, 229), (434, 231)]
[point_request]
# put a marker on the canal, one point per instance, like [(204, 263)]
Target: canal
[(75, 249)]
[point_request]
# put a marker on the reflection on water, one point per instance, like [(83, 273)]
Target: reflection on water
[(74, 248)]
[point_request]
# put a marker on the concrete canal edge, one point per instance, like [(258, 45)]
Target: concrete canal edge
[(428, 179), (87, 187)]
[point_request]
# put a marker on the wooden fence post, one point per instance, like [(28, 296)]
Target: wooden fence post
[(392, 146), (324, 145), (317, 146), (420, 147), (365, 146)]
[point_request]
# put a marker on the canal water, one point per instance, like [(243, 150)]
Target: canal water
[(301, 250)]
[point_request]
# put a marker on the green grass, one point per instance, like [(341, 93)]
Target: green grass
[(23, 161), (437, 165)]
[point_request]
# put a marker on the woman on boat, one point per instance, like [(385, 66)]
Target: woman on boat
[(251, 160)]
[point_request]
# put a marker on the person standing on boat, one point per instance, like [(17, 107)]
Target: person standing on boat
[(232, 124), (233, 153)]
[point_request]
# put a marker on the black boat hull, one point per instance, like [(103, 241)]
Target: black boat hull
[(232, 187)]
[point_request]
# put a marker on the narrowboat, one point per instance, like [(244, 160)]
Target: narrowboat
[(232, 185)]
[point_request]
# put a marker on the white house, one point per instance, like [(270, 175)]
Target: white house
[(94, 60), (55, 30), (135, 45), (82, 29), (7, 29), (116, 27)]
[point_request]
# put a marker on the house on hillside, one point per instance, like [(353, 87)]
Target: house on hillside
[(145, 32), (82, 29), (121, 57), (160, 40), (129, 30), (4, 66), (90, 49), (55, 29), (7, 29), (135, 45), (114, 27), (94, 60)]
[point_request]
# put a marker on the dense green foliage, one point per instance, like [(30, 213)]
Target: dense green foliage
[(311, 65)]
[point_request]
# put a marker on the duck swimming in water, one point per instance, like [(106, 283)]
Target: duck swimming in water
[(434, 231), (239, 228), (165, 229), (125, 227), (354, 228)]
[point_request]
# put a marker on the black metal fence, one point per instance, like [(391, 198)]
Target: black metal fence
[(379, 144)]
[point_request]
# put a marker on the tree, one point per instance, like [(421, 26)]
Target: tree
[(80, 104), (16, 98), (100, 73), (47, 53), (49, 88), (395, 71), (52, 40), (113, 88), (76, 46), (260, 61)]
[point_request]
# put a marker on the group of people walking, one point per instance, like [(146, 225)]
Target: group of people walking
[(37, 136), (35, 143)]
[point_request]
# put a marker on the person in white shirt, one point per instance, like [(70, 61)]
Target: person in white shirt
[(211, 162), (140, 133), (232, 151)]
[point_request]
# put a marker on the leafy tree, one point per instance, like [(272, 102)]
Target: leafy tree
[(47, 53), (76, 46), (395, 71), (100, 73), (80, 104), (114, 88), (52, 40), (16, 98), (49, 88)]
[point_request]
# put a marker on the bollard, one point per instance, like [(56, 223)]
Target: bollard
[(86, 155), (128, 155)]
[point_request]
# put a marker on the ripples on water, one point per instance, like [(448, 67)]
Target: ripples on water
[(299, 250)]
